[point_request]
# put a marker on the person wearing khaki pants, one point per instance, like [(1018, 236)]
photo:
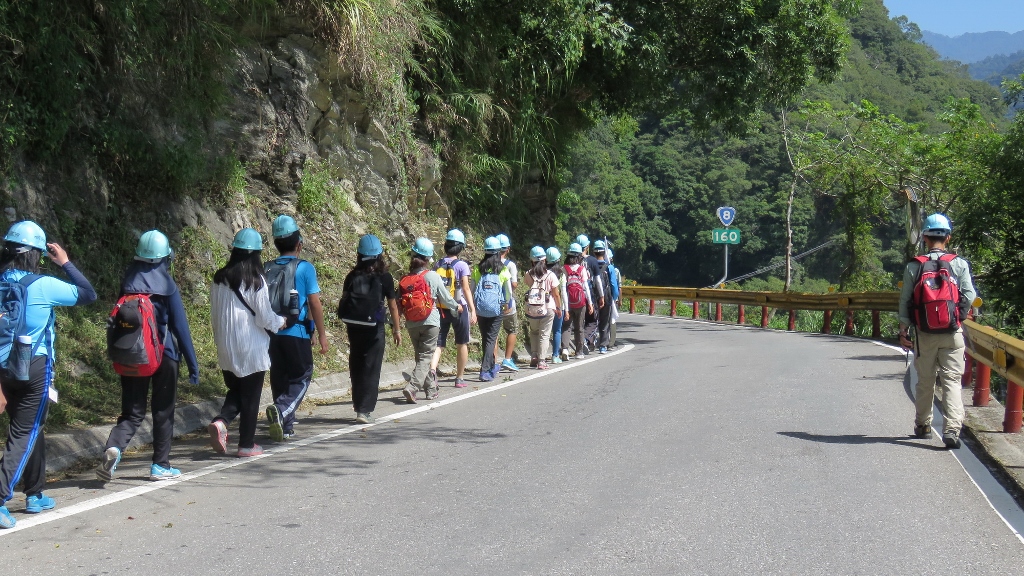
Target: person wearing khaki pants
[(938, 357), (544, 283)]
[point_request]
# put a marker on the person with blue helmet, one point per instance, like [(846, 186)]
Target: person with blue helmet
[(492, 293), (543, 304), (27, 401), (455, 273), (368, 293), (580, 298), (425, 287), (242, 317), (939, 346), (615, 276), (291, 348), (599, 289), (510, 321), (553, 259), (149, 274)]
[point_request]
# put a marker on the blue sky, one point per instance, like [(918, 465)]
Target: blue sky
[(954, 17)]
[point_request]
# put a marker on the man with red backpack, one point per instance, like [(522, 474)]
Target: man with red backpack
[(936, 297)]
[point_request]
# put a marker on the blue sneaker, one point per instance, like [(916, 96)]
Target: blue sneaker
[(509, 364), (38, 502), (275, 430), (158, 472), (495, 371), (111, 458), (603, 350), (486, 376), (6, 520)]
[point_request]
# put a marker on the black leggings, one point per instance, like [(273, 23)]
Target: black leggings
[(242, 400), (366, 354), (134, 391), (25, 453)]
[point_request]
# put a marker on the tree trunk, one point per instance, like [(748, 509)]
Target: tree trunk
[(789, 234)]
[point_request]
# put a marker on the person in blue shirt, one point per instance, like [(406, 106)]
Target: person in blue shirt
[(149, 273), (291, 349), (26, 401)]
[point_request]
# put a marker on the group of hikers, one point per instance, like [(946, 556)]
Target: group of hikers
[(266, 317)]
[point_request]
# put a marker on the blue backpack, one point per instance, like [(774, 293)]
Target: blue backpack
[(489, 296), (13, 310)]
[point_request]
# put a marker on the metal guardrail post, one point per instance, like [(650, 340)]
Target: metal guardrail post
[(849, 323), (718, 312), (672, 308), (826, 323), (650, 311), (792, 320), (1014, 402), (968, 378), (981, 385), (742, 315), (764, 316), (876, 324), (696, 310), (632, 306)]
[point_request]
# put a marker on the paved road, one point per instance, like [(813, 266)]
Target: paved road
[(702, 450)]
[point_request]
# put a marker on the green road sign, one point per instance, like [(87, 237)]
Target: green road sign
[(725, 236)]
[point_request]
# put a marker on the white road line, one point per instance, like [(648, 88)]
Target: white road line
[(108, 499)]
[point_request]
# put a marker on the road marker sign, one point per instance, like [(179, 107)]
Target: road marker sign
[(727, 214), (725, 236)]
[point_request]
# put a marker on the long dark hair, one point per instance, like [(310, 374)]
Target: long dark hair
[(16, 257), (557, 269), (539, 269), (243, 270), (376, 265), (418, 262), (491, 264), (453, 248), (573, 259)]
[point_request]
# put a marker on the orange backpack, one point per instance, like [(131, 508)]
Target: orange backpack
[(415, 297)]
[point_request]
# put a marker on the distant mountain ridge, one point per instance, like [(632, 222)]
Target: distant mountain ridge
[(974, 46), (995, 68)]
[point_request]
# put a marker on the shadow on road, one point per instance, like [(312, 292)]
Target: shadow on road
[(880, 357), (854, 439)]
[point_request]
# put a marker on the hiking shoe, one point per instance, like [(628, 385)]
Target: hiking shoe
[(542, 366), (460, 383), (951, 439), (276, 431), (158, 472), (486, 376), (433, 392), (507, 363), (364, 418), (111, 458), (923, 432), (6, 520), (36, 503), (218, 436), (581, 356), (603, 350), (556, 360), (256, 450), (288, 435), (565, 354), (410, 395), (533, 362)]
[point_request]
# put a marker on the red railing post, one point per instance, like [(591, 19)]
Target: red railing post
[(764, 316), (672, 308), (742, 315), (718, 312), (792, 320), (849, 323), (632, 306), (1014, 400), (696, 309), (981, 384), (967, 379), (826, 324), (876, 324), (650, 312)]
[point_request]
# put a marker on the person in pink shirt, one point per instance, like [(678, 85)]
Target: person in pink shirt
[(543, 303)]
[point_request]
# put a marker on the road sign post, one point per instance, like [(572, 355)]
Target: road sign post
[(726, 236)]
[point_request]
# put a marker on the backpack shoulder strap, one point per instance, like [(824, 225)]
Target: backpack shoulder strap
[(241, 299), (28, 279), (947, 257)]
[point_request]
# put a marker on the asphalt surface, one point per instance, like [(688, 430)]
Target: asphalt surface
[(702, 449)]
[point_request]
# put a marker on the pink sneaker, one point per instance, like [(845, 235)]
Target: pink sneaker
[(542, 366), (256, 450), (218, 436), (460, 383)]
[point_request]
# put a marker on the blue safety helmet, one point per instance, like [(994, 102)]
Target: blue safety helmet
[(248, 239), (153, 247), (553, 255), (575, 248), (536, 253), (284, 225), (369, 247), (492, 245), (608, 254), (583, 241), (456, 235), (937, 225), (504, 242), (27, 233), (423, 247), (598, 246)]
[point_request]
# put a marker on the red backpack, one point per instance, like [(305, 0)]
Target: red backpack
[(935, 303), (575, 287), (134, 344), (415, 297)]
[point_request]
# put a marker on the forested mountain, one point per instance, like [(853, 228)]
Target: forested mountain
[(995, 69), (656, 182), (974, 46)]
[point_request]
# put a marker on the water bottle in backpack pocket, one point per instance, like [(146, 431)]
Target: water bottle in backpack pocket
[(489, 296)]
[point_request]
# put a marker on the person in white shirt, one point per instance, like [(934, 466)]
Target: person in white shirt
[(242, 314)]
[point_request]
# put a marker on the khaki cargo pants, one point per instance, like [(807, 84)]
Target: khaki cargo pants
[(940, 357)]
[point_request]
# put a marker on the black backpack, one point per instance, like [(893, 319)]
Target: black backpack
[(361, 304), (606, 280), (280, 283)]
